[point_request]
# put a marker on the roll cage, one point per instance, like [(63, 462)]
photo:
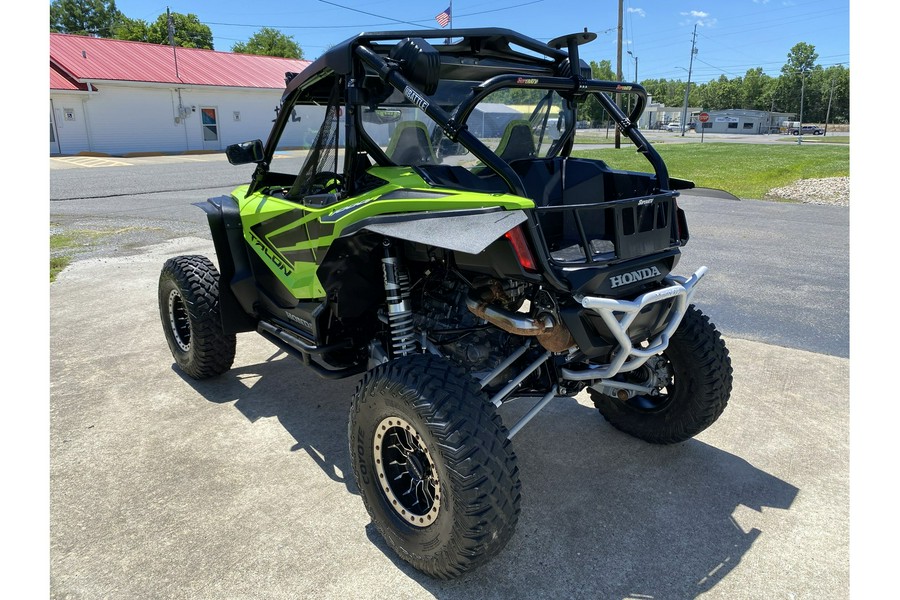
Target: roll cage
[(367, 69)]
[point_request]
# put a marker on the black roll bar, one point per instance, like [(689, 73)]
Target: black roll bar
[(598, 88), (452, 128)]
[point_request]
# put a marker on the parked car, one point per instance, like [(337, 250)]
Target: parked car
[(674, 126), (807, 129)]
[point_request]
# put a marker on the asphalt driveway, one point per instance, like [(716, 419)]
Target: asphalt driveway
[(240, 486)]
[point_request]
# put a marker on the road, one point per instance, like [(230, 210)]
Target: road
[(779, 272), (239, 486)]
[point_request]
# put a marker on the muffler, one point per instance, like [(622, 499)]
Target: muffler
[(553, 336)]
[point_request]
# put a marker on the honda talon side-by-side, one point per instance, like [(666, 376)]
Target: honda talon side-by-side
[(416, 219)]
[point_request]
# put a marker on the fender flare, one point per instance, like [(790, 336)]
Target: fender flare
[(237, 293)]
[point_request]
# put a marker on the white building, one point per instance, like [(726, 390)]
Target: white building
[(118, 97), (744, 121)]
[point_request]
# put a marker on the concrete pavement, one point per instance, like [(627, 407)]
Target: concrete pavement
[(240, 486)]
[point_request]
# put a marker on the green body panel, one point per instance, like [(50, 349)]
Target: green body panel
[(291, 238)]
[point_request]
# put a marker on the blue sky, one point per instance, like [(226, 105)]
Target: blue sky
[(732, 36)]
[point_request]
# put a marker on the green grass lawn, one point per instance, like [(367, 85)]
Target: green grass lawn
[(745, 170)]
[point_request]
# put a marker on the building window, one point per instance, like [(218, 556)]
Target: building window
[(748, 125), (732, 126)]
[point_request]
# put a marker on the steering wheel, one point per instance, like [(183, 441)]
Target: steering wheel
[(326, 182)]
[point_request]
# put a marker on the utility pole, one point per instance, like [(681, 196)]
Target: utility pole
[(619, 71), (170, 26), (635, 74), (687, 90), (828, 111), (771, 110), (802, 90)]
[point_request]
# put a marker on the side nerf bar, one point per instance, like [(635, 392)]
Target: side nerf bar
[(626, 357)]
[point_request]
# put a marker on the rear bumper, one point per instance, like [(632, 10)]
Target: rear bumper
[(619, 315)]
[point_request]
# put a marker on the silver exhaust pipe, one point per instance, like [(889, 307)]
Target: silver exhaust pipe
[(552, 336)]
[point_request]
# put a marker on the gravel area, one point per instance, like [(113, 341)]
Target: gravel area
[(830, 190)]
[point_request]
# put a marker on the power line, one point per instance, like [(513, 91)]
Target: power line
[(378, 16), (356, 26)]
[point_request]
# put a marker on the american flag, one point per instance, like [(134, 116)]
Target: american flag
[(443, 19)]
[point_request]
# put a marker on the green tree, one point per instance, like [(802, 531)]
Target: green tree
[(269, 42), (669, 92), (189, 31), (720, 94), (758, 91), (834, 83), (135, 30), (591, 110), (753, 90), (84, 17), (802, 57), (801, 61)]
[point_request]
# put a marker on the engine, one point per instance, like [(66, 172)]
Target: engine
[(453, 329)]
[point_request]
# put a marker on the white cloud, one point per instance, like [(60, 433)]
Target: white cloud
[(760, 1), (641, 12), (700, 17)]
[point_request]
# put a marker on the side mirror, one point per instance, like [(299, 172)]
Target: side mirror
[(245, 153)]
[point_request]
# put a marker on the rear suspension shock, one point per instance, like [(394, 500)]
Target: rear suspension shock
[(396, 289)]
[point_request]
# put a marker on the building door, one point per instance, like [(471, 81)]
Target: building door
[(54, 134), (209, 121)]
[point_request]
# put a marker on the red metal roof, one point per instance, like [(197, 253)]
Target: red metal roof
[(93, 59), (60, 81)]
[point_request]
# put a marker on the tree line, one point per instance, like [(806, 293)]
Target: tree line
[(101, 18), (825, 91)]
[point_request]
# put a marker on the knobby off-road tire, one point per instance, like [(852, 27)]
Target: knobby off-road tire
[(434, 466), (701, 369), (189, 310)]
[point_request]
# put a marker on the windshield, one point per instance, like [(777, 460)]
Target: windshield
[(514, 123)]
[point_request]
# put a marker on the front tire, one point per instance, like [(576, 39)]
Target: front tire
[(189, 310), (434, 466), (697, 384)]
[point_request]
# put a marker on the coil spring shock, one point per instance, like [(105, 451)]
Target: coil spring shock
[(400, 319)]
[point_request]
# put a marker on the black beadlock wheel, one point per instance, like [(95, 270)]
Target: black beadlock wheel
[(434, 465), (699, 374), (189, 310)]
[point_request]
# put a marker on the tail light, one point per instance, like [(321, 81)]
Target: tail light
[(516, 237)]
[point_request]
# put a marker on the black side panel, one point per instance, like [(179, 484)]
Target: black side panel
[(236, 300), (351, 275)]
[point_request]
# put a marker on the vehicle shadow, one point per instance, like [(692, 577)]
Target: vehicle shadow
[(604, 515), (314, 411), (607, 516)]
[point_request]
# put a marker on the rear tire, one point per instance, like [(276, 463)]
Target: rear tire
[(434, 466), (701, 378), (189, 310)]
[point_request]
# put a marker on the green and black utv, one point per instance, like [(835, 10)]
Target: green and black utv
[(416, 220)]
